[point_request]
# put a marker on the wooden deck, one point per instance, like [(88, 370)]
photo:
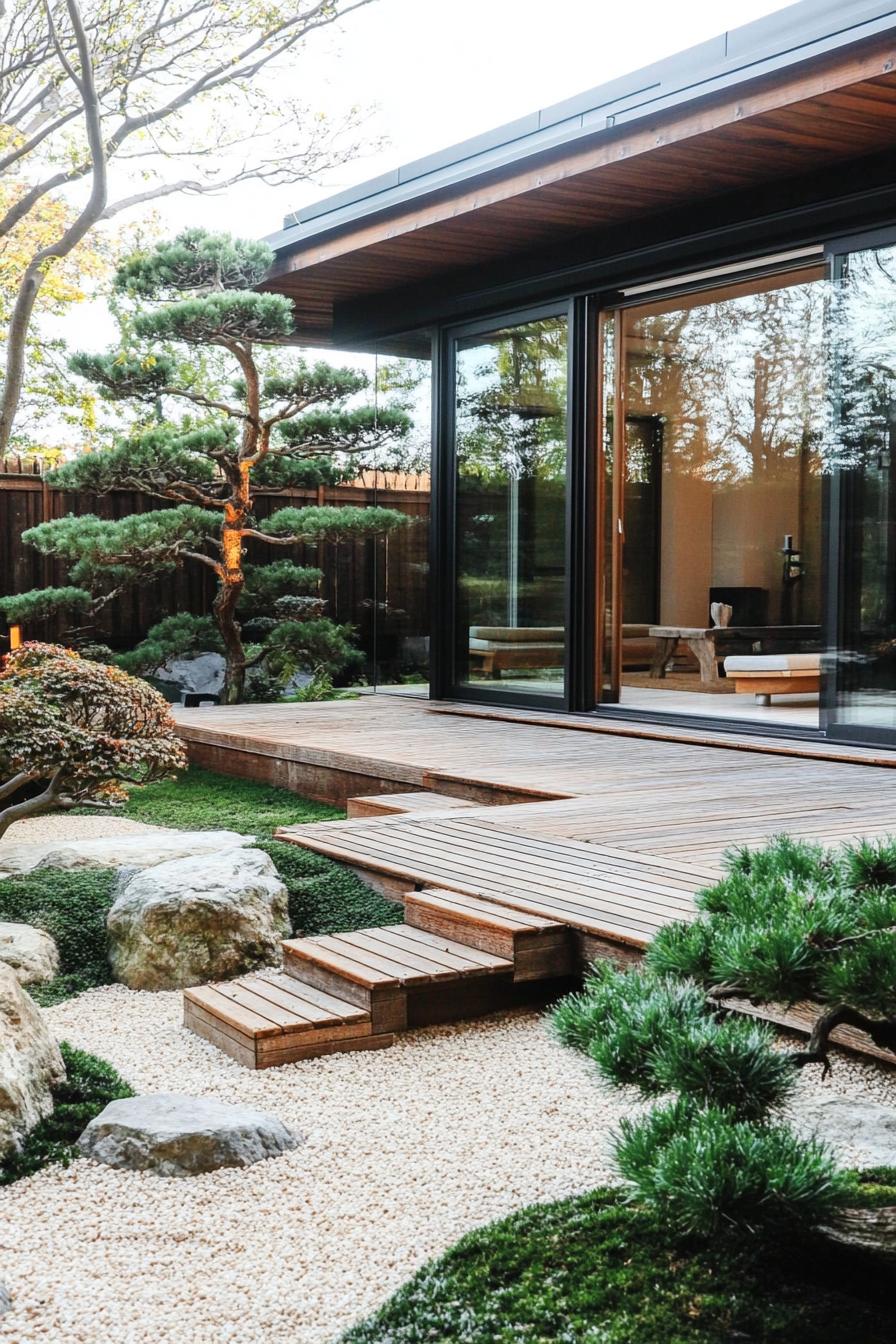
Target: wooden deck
[(520, 849)]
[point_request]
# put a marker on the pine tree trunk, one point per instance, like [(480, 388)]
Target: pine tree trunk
[(230, 586)]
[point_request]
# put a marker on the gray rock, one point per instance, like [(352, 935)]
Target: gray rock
[(30, 1064), (30, 952), (862, 1133), (5, 1299), (203, 918), (204, 673), (175, 1135), (118, 851)]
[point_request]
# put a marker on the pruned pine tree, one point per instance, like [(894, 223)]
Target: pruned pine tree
[(790, 922), (256, 419)]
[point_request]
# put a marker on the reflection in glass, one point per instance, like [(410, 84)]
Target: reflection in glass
[(863, 349), (723, 395), (510, 427), (393, 615)]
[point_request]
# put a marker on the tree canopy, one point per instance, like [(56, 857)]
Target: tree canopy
[(107, 105), (254, 415)]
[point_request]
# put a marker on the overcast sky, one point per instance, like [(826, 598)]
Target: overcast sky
[(439, 71)]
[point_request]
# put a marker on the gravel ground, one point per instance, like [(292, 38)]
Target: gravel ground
[(59, 826), (405, 1150)]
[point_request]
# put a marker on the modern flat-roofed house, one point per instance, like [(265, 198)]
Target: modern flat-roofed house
[(660, 325)]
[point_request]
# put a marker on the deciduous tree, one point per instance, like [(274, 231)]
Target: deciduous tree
[(110, 104)]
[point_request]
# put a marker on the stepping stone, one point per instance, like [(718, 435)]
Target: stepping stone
[(174, 1135)]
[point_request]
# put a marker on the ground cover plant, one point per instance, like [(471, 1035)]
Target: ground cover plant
[(598, 1270), (72, 905), (90, 1084)]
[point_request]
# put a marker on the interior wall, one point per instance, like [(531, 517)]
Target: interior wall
[(686, 549)]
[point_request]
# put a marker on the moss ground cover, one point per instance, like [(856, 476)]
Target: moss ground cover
[(88, 1088), (596, 1270)]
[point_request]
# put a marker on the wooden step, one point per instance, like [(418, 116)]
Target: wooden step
[(392, 804), (377, 968), (268, 1019), (539, 948)]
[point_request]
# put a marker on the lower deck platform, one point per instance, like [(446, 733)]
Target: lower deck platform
[(519, 851)]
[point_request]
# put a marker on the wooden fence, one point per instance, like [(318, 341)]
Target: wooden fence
[(379, 584)]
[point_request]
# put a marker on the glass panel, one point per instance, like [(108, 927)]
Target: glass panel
[(863, 348), (724, 405), (398, 599), (510, 427), (608, 672)]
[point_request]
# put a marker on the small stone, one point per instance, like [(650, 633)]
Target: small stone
[(118, 851), (30, 1064), (31, 953), (5, 1299), (863, 1133), (174, 1135), (193, 920)]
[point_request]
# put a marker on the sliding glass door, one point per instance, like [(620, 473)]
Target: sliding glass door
[(714, 422), (862, 697), (510, 441)]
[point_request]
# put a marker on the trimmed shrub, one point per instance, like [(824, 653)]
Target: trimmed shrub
[(703, 1171)]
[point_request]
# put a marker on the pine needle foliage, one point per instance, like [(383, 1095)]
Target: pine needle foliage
[(219, 413), (705, 1172), (788, 922)]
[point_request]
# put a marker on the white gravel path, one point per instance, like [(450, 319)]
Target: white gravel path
[(62, 826), (406, 1149)]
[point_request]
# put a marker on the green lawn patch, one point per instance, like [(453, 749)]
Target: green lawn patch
[(90, 1085), (200, 800), (596, 1270)]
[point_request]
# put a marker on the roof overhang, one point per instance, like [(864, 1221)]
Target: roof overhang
[(791, 95)]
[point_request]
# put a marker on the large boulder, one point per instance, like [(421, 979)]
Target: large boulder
[(30, 952), (204, 672), (175, 1135), (861, 1133), (118, 851), (192, 920), (30, 1064)]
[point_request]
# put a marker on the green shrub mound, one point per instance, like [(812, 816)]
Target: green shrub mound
[(71, 905), (787, 922), (703, 1171), (89, 1086), (595, 1270), (794, 921)]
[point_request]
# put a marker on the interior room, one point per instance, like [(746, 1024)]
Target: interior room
[(713, 593)]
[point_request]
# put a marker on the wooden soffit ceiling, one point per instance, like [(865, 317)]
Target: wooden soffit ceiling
[(827, 111)]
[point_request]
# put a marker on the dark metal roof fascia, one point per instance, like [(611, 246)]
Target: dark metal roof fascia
[(777, 42)]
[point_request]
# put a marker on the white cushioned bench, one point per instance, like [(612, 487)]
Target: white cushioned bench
[(768, 674)]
